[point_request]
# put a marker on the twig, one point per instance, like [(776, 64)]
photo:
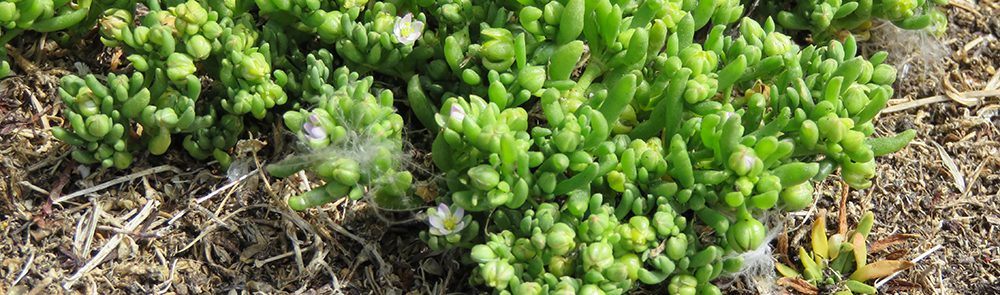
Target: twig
[(966, 5), (24, 270), (40, 110), (368, 246), (952, 168), (49, 277), (211, 216), (298, 252), (260, 263), (91, 228), (915, 260), (975, 174), (211, 228), (952, 93), (125, 178), (224, 187), (164, 286), (939, 98), (33, 187), (994, 82), (334, 282), (112, 244)]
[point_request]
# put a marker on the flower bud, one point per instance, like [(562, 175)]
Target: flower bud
[(98, 125), (777, 44), (857, 175), (682, 285), (896, 10), (884, 74), (751, 30), (561, 266), (165, 117), (211, 30), (768, 183), (484, 177), (597, 256), (87, 104), (742, 161), (523, 250), (482, 254), (831, 128), (254, 68), (561, 239), (8, 12), (498, 50), (745, 235), (664, 223), (528, 288), (179, 66), (198, 47), (113, 23), (497, 273), (796, 197), (191, 12)]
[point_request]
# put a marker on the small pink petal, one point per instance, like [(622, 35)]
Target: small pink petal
[(436, 222), (457, 112)]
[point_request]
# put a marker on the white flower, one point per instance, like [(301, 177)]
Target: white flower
[(446, 222), (313, 129), (407, 30)]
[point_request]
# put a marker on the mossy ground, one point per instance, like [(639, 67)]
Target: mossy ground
[(944, 188)]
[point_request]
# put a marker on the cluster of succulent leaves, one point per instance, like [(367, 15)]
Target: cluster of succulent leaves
[(840, 260), (40, 16), (164, 95), (649, 168), (827, 19), (594, 143), (354, 138)]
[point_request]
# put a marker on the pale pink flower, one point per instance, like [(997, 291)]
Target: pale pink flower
[(407, 30), (447, 222)]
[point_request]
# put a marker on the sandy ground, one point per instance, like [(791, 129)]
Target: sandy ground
[(171, 225)]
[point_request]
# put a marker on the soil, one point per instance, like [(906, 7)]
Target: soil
[(173, 225)]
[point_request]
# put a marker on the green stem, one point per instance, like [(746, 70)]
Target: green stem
[(593, 70), (10, 35)]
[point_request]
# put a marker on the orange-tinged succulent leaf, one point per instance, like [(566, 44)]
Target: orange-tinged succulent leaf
[(880, 269), (786, 271), (860, 250), (819, 239), (810, 269)]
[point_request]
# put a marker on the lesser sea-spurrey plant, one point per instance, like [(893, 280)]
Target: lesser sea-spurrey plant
[(585, 146)]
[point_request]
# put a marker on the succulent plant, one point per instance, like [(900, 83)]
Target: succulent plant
[(585, 146)]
